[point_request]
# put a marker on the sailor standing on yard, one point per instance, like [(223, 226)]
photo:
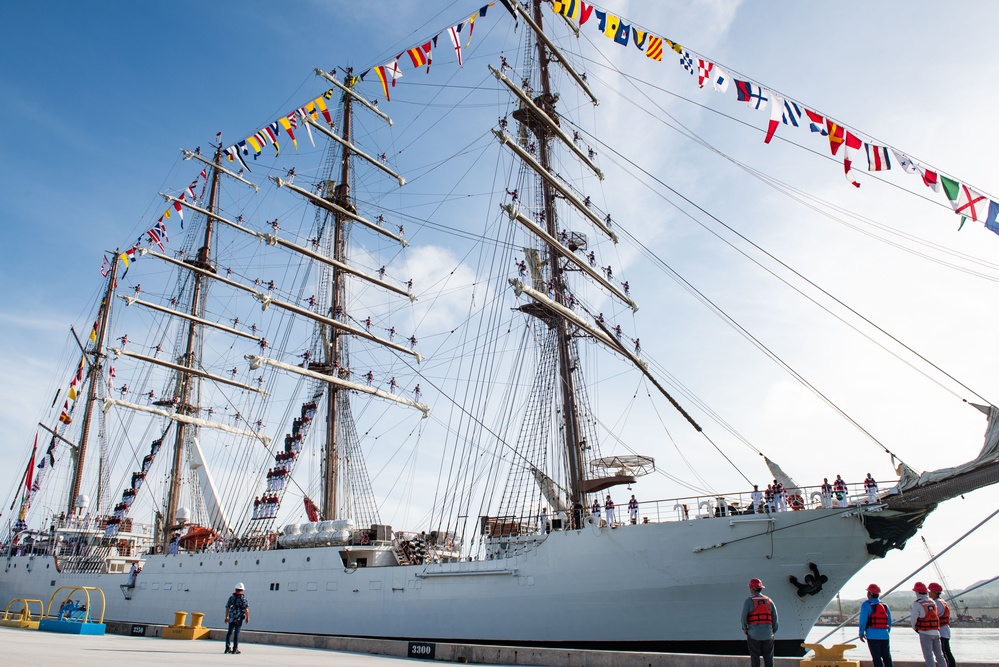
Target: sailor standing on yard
[(237, 610), (759, 623), (926, 622), (875, 625), (943, 613)]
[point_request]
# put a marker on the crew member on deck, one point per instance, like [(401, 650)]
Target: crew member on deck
[(839, 488), (871, 487), (757, 497), (609, 508), (759, 623), (595, 511), (633, 510), (827, 493)]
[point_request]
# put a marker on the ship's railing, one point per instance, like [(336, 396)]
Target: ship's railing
[(681, 509)]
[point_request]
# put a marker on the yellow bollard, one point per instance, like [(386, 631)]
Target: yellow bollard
[(180, 631), (829, 657)]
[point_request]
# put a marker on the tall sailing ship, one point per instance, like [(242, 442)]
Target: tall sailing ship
[(218, 418)]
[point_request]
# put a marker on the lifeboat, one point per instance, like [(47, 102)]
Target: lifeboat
[(197, 538)]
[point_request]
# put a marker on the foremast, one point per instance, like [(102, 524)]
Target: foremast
[(95, 374)]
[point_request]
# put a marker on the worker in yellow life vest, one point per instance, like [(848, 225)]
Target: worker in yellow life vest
[(926, 622), (759, 623)]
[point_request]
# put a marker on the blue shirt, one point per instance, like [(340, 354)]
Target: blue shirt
[(236, 608), (865, 615)]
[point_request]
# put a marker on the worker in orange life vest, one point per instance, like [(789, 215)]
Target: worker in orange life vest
[(875, 627), (926, 622), (943, 613), (759, 623)]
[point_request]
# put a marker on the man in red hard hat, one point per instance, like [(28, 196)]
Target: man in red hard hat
[(943, 612), (759, 623), (875, 627), (926, 622)]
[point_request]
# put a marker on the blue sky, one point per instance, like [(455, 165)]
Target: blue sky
[(97, 100)]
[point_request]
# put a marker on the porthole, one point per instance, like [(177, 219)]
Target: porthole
[(282, 560), (308, 559), (258, 561)]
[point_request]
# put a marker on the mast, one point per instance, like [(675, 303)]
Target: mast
[(334, 348), (96, 372), (570, 412), (186, 379)]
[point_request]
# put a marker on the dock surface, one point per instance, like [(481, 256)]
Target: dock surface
[(22, 647)]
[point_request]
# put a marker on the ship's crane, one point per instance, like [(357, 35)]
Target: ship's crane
[(947, 593)]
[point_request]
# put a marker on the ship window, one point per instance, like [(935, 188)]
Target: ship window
[(53, 583), (156, 586), (308, 559), (312, 586), (167, 587), (282, 560), (293, 586), (46, 566), (258, 561), (201, 564), (236, 563), (331, 585), (220, 563)]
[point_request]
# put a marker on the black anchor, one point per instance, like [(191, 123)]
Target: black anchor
[(812, 584)]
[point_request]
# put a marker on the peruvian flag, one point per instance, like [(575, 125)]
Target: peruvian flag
[(311, 510), (30, 472)]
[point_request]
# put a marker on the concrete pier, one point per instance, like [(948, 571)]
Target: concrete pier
[(121, 647)]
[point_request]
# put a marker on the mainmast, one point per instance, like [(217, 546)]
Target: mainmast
[(186, 380), (546, 102), (96, 373), (334, 347)]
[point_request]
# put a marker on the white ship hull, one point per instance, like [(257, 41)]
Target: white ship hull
[(633, 587)]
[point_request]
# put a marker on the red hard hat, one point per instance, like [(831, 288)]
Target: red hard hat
[(935, 588), (874, 588), (756, 583), (919, 587)]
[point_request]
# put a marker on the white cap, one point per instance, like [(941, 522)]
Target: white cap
[(239, 586)]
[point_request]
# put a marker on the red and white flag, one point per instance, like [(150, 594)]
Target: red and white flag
[(853, 146), (877, 158)]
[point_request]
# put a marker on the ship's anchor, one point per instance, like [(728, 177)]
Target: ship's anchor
[(812, 584)]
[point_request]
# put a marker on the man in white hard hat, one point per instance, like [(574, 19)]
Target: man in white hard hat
[(237, 611)]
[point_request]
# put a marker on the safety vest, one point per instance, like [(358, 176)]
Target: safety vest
[(945, 615), (827, 489), (930, 620), (869, 483), (761, 613), (878, 619)]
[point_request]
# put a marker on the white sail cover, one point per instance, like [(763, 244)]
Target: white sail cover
[(909, 479)]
